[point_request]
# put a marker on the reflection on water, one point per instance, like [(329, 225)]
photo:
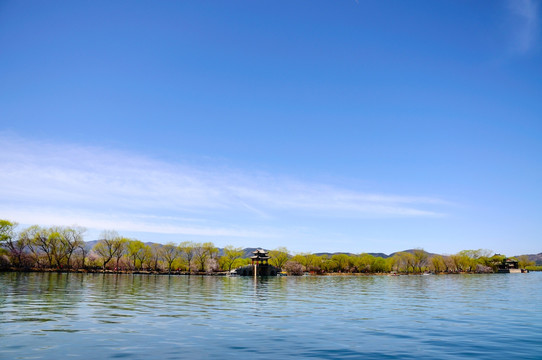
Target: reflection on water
[(50, 315)]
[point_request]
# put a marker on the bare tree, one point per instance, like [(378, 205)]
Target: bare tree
[(120, 250), (156, 255), (42, 242), (73, 237), (109, 246)]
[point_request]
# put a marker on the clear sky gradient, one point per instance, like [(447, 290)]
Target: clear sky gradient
[(356, 126)]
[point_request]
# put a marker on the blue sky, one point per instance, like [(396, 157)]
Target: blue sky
[(317, 125)]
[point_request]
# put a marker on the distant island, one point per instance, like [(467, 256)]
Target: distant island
[(61, 248)]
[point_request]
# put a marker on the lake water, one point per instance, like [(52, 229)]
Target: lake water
[(95, 316)]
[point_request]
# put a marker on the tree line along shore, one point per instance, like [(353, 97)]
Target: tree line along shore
[(62, 248)]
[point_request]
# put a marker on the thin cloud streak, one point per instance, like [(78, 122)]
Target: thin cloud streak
[(526, 14), (156, 196), (122, 222)]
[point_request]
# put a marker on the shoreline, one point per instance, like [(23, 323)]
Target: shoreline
[(222, 273)]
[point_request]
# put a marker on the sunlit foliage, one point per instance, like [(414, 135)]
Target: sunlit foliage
[(63, 248)]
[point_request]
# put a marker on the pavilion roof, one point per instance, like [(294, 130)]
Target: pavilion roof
[(259, 251), (260, 254)]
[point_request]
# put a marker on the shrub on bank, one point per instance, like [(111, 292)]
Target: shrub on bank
[(4, 262), (293, 268)]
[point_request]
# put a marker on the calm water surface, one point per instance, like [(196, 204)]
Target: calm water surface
[(95, 316)]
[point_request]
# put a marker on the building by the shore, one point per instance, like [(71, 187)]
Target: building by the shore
[(509, 266), (260, 266)]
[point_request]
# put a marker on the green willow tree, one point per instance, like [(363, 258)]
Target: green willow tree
[(187, 250), (7, 231), (341, 262), (170, 252), (279, 257), (437, 263), (10, 240), (134, 249), (231, 257), (203, 253), (523, 261)]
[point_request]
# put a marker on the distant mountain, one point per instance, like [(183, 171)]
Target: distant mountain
[(90, 244), (335, 253), (382, 255), (411, 251), (247, 252), (537, 258)]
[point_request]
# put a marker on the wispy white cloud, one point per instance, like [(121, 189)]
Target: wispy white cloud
[(103, 188), (526, 14), (129, 222)]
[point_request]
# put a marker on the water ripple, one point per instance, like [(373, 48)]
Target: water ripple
[(370, 317)]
